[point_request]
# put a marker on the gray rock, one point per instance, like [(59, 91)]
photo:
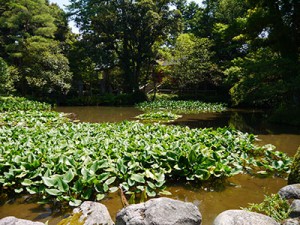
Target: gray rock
[(160, 211), (242, 217), (291, 222), (11, 220), (295, 209), (91, 213), (290, 191)]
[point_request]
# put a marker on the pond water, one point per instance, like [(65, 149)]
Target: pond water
[(236, 192)]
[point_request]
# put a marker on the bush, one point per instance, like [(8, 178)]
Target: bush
[(294, 176)]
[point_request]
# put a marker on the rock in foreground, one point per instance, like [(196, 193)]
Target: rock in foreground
[(11, 220), (89, 213), (160, 211), (242, 217), (290, 191)]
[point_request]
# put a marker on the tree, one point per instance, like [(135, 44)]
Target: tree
[(28, 44), (6, 85), (261, 79), (128, 29), (269, 73), (193, 65)]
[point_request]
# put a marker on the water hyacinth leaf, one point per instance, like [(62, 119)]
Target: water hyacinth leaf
[(18, 190), (105, 187), (164, 192), (68, 177), (113, 189), (110, 180), (99, 197), (62, 185), (103, 177), (52, 191), (149, 174), (27, 182), (87, 194), (50, 181), (150, 192), (138, 178), (151, 185), (32, 190), (192, 156), (75, 202), (130, 182)]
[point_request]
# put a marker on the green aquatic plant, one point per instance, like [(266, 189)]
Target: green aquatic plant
[(181, 107), (43, 153), (20, 103), (74, 162), (160, 116), (274, 206)]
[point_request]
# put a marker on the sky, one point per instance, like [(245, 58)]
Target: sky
[(63, 3)]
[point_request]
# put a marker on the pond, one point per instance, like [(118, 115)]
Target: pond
[(236, 192)]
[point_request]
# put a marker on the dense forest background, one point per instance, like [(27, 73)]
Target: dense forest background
[(246, 51)]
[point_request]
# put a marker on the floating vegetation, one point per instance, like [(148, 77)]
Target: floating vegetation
[(160, 116), (181, 107), (19, 103), (43, 153), (75, 162)]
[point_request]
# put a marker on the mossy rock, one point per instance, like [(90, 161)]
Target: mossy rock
[(72, 220), (294, 176)]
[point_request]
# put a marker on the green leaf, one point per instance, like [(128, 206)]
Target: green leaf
[(68, 177), (99, 197), (164, 192), (113, 189), (110, 180), (138, 178), (53, 192), (50, 182), (27, 182), (32, 190), (75, 202), (87, 194), (150, 192), (62, 185), (18, 190)]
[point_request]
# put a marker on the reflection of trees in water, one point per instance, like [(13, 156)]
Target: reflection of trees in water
[(246, 122)]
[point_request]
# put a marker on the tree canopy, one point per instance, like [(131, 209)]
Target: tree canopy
[(248, 48)]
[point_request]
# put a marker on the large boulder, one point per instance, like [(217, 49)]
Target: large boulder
[(160, 211), (294, 176), (242, 217), (295, 209), (89, 213), (291, 191), (11, 220)]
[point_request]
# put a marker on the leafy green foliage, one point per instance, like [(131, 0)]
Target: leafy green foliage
[(28, 43), (6, 85), (294, 176), (43, 153), (159, 116), (125, 31), (273, 206), (193, 63), (181, 106), (13, 104), (261, 78)]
